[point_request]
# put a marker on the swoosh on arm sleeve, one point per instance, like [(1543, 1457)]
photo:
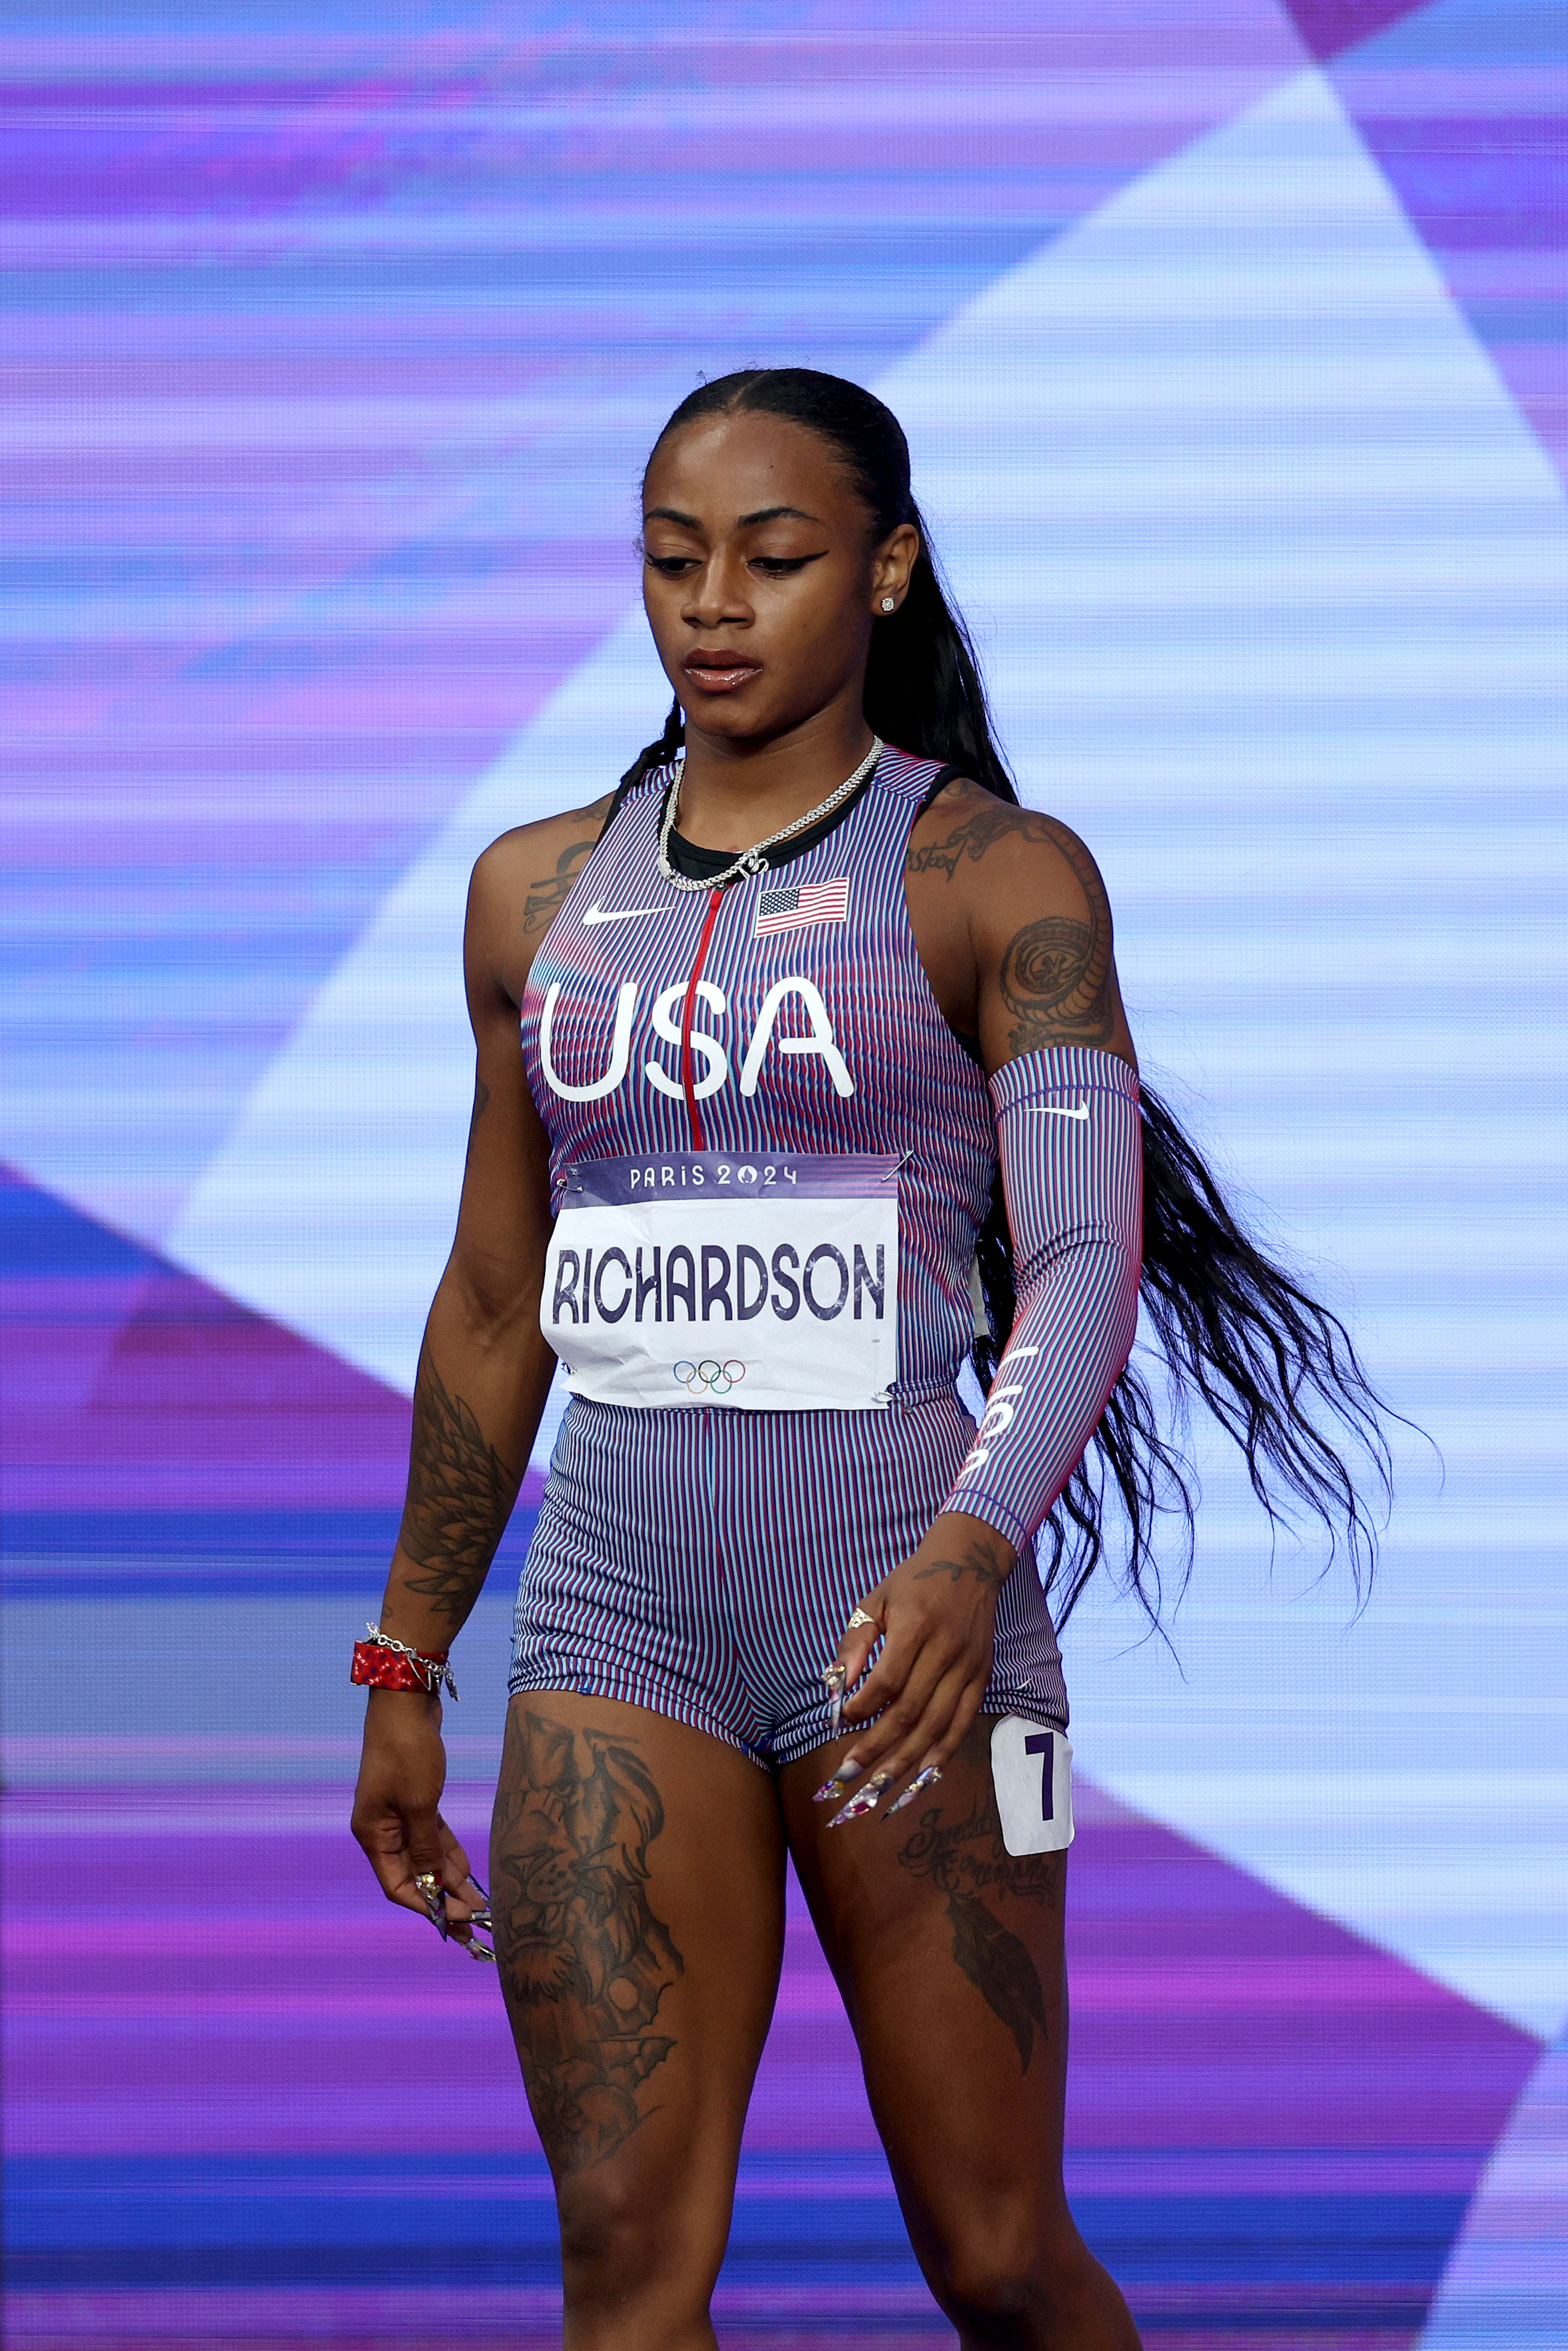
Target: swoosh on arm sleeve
[(1071, 1151)]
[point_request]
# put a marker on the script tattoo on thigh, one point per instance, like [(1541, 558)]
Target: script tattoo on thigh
[(967, 1861), (585, 1964)]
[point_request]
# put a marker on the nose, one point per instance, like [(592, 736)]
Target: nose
[(715, 594)]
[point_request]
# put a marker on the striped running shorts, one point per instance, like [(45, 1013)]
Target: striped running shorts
[(703, 1563)]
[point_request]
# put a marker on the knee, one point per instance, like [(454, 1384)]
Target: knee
[(628, 2244), (608, 2241), (1016, 2288), (990, 2291)]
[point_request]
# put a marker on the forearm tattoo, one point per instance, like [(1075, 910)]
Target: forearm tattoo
[(1055, 976), (971, 1868), (460, 1496), (585, 1964)]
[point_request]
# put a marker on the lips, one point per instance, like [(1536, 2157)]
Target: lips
[(719, 671)]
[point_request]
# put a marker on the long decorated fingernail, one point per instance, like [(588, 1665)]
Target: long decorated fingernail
[(917, 1786), (838, 1781), (864, 1800), (835, 1677)]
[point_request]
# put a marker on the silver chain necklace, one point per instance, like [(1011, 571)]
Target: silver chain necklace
[(750, 860)]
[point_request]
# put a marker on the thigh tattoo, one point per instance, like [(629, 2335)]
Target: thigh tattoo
[(585, 1963), (967, 1861)]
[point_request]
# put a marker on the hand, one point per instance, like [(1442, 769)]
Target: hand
[(935, 1617), (402, 1773)]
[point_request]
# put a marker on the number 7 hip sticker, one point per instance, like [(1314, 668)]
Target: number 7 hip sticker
[(1032, 1770)]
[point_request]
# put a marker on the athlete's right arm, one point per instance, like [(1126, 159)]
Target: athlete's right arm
[(485, 1368)]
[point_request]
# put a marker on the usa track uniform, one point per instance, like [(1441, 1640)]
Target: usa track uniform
[(770, 1160)]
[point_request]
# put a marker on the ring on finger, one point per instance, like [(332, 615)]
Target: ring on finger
[(858, 1619), (431, 1893)]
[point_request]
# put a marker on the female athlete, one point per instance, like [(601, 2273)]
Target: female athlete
[(824, 1089)]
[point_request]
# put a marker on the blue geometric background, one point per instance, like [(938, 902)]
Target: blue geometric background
[(1232, 343)]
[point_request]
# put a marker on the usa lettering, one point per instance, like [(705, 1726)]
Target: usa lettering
[(709, 1049), (713, 1282)]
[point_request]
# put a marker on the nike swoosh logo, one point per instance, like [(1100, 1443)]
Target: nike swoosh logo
[(1054, 1110), (616, 915)]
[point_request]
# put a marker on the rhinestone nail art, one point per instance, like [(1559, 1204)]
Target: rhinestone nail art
[(917, 1787), (864, 1800)]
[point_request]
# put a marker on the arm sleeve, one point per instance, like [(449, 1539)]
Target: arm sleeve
[(1071, 1143)]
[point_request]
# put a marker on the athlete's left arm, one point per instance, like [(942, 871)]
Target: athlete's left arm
[(1020, 953)]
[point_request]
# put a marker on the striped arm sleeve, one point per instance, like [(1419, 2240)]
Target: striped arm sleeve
[(1072, 1152)]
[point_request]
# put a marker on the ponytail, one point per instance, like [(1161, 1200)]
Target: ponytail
[(1233, 1331)]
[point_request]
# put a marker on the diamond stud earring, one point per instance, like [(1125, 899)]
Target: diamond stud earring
[(888, 604)]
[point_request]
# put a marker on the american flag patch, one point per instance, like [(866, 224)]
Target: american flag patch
[(807, 902)]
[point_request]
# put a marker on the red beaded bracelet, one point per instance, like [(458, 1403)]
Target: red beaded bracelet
[(383, 1663)]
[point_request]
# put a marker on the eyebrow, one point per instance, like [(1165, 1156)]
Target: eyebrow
[(776, 514), (748, 522)]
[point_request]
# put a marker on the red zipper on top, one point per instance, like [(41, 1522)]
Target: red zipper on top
[(698, 1142)]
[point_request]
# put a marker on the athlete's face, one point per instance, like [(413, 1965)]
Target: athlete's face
[(760, 575)]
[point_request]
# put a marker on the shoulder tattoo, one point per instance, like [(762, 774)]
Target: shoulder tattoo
[(985, 821), (548, 893), (1055, 975)]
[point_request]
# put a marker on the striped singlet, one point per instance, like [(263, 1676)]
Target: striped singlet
[(701, 1557)]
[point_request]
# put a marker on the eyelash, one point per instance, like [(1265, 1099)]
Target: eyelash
[(772, 567)]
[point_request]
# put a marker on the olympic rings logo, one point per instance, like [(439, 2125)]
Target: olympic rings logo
[(716, 1378)]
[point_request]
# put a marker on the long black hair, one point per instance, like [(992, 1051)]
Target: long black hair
[(1233, 1330)]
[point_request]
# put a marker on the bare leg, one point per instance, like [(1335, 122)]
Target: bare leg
[(637, 1886), (948, 1950)]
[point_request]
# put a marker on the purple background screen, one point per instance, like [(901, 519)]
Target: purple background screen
[(1233, 341)]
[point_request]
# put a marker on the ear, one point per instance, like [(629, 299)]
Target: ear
[(890, 568)]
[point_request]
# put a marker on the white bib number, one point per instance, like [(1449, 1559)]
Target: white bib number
[(768, 1283), (1031, 1769)]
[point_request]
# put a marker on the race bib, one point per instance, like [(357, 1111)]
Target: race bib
[(1031, 1769), (768, 1283)]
